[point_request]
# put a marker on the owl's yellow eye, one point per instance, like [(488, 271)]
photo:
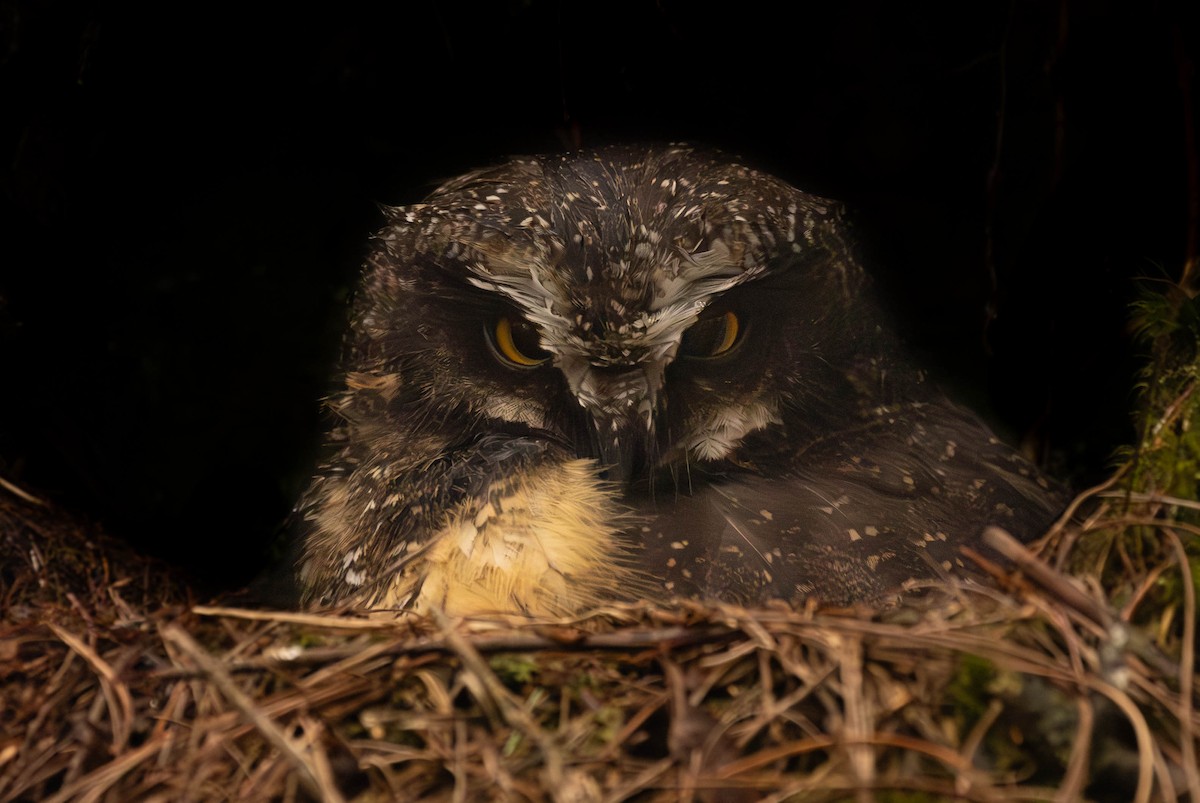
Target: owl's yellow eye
[(711, 337), (518, 343)]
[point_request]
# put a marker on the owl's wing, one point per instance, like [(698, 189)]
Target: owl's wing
[(853, 517)]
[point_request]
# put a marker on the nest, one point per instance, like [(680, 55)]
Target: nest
[(115, 686)]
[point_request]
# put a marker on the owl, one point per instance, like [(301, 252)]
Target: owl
[(637, 373)]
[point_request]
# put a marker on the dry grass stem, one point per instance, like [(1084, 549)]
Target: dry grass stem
[(1023, 685)]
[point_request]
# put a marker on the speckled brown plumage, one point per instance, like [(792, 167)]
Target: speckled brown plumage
[(637, 372)]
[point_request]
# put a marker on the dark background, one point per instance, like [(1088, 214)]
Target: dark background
[(187, 190)]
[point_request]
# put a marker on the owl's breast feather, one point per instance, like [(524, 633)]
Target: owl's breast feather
[(544, 541)]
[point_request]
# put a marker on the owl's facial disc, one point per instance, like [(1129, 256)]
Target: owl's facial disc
[(616, 376), (616, 382)]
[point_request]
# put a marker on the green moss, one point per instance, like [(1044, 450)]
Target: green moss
[(968, 692), (514, 669), (1166, 460)]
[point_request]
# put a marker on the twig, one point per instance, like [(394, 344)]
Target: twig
[(1148, 767), (1071, 788), (859, 715), (1068, 515), (1139, 593), (1151, 499), (18, 492), (306, 771), (120, 708), (1187, 667), (668, 637), (641, 781), (636, 721), (485, 686), (293, 618), (1058, 585), (974, 739), (93, 785)]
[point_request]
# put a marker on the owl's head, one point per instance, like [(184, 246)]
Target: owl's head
[(647, 308)]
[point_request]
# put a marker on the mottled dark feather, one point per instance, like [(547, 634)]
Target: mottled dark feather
[(811, 459)]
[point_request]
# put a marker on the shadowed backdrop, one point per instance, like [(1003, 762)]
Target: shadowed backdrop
[(188, 190)]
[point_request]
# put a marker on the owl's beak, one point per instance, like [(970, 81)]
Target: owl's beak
[(623, 453), (621, 402)]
